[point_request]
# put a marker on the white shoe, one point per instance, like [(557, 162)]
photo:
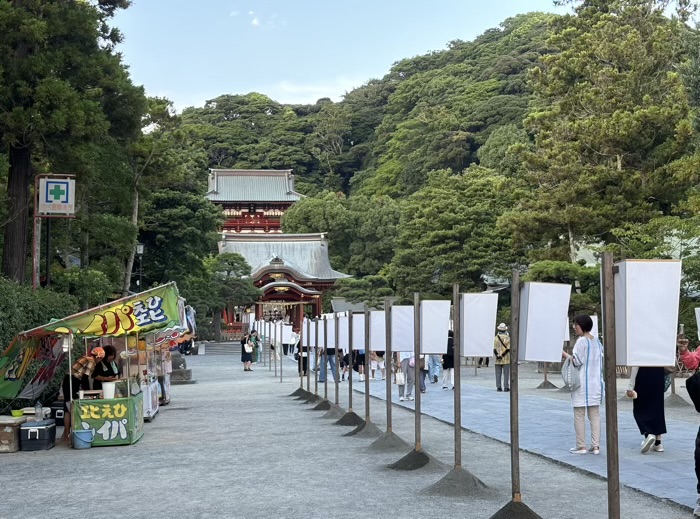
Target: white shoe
[(659, 447), (401, 399), (362, 378), (594, 450), (647, 443), (576, 450), (409, 397)]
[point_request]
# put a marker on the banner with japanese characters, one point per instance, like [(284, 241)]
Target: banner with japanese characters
[(154, 309), (112, 422)]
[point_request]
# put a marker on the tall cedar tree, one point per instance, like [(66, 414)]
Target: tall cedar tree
[(60, 84)]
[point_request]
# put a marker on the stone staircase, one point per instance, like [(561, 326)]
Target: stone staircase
[(227, 348), (223, 348)]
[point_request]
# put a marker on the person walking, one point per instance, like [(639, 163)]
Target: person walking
[(254, 341), (423, 371), (406, 390), (501, 349), (587, 356), (646, 386), (377, 363), (433, 368), (448, 372), (247, 348), (691, 360)]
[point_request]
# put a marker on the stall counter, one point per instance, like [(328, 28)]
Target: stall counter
[(117, 421)]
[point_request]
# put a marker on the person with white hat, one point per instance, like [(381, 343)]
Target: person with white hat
[(501, 349)]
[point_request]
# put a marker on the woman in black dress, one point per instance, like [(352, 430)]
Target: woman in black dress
[(448, 364), (107, 370), (247, 356), (647, 388)]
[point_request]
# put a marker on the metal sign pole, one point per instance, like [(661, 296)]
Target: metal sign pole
[(611, 436), (416, 367), (368, 353), (337, 363), (456, 370), (351, 351), (388, 357), (307, 350), (514, 425), (270, 342), (301, 363), (275, 356), (325, 358), (316, 358)]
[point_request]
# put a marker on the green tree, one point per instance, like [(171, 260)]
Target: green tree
[(224, 282), (448, 233), (327, 142), (61, 84), (611, 123), (326, 213), (179, 230), (371, 290)]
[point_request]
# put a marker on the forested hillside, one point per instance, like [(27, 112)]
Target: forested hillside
[(542, 137)]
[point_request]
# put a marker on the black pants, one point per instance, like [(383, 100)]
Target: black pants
[(285, 348), (481, 359), (697, 459), (303, 365)]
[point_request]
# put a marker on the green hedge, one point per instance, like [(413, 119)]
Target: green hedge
[(22, 308)]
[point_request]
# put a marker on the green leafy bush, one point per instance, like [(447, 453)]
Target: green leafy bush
[(22, 308)]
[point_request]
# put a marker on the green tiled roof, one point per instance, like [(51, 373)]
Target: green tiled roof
[(251, 185), (306, 255)]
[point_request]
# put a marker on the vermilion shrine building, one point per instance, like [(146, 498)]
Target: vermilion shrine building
[(288, 268)]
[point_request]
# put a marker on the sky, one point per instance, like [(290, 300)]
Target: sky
[(294, 51)]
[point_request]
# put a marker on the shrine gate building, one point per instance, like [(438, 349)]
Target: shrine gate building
[(288, 268)]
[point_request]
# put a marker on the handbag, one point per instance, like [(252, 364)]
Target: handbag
[(570, 374), (421, 363), (248, 347), (400, 378), (667, 381)]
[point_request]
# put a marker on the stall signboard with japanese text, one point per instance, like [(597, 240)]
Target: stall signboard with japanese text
[(113, 422), (151, 310)]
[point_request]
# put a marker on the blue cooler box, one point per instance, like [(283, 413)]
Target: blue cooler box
[(37, 436)]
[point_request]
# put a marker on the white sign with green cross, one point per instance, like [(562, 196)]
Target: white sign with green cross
[(56, 196)]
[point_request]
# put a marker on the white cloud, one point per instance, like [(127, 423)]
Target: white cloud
[(234, 13), (255, 22), (251, 13)]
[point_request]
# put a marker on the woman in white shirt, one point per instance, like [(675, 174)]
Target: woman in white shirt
[(588, 358), (405, 391)]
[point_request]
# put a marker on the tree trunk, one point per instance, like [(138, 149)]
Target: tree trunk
[(14, 253), (85, 261), (130, 262), (216, 322)]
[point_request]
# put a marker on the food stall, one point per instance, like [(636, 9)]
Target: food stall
[(125, 324)]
